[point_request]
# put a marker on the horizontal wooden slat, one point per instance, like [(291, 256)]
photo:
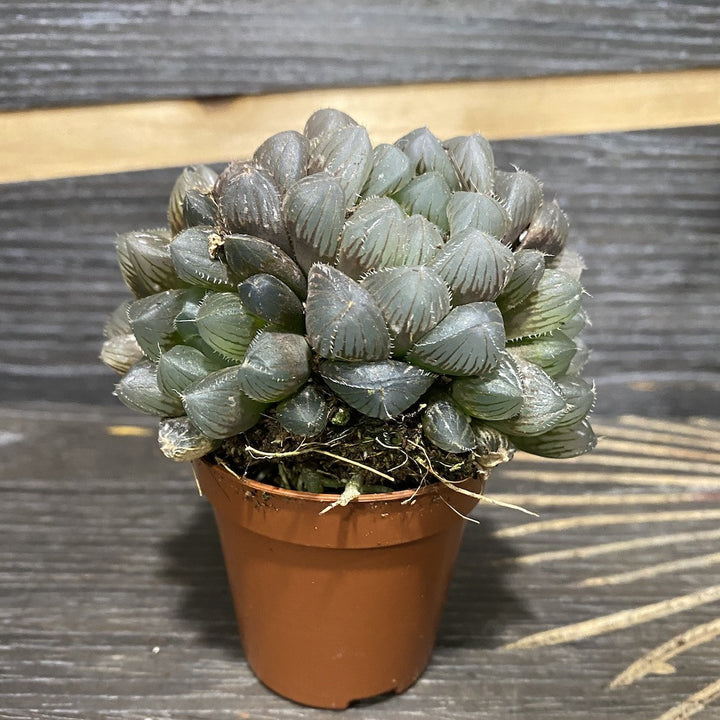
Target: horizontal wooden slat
[(90, 51), (61, 142)]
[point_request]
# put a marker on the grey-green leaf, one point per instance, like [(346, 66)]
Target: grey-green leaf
[(139, 390), (117, 322), (342, 319), (121, 352), (273, 301), (427, 153), (390, 171), (226, 326), (412, 299), (427, 194), (527, 272), (275, 366), (473, 160), (196, 177), (305, 413), (199, 209), (145, 262), (314, 211), (218, 407), (548, 230), (190, 251), (424, 241), (181, 441), (284, 156), (521, 194), (152, 320), (580, 397), (552, 352), (181, 366), (494, 396), (565, 441), (543, 405), (377, 389), (468, 341), (473, 210), (475, 266), (326, 120), (375, 236), (447, 427), (554, 301), (247, 255)]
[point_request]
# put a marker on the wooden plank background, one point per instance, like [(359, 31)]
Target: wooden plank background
[(90, 51)]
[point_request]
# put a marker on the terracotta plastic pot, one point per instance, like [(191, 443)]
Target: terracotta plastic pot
[(342, 606)]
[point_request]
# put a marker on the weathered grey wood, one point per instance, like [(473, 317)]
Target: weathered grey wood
[(115, 602), (644, 214), (77, 52)]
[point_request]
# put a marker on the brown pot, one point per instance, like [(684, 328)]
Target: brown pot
[(342, 606)]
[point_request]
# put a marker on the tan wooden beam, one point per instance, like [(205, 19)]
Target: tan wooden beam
[(60, 142)]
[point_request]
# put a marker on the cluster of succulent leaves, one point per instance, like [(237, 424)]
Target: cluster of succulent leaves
[(405, 280)]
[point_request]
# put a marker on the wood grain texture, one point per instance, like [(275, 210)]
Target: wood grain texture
[(644, 214), (78, 52), (63, 142), (115, 603)]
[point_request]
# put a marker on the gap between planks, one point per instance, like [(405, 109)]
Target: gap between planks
[(50, 143)]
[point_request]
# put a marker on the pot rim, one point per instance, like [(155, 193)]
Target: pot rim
[(325, 498)]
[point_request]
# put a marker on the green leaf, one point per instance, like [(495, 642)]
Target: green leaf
[(521, 195), (472, 157), (426, 153), (468, 341), (284, 156), (475, 265), (548, 230), (226, 326), (121, 352), (273, 301), (565, 441), (377, 389), (552, 352), (181, 366), (218, 407), (390, 171), (447, 427), (424, 241), (579, 395), (325, 121), (199, 178), (412, 299), (481, 212), (305, 413), (275, 366), (527, 273), (343, 321), (554, 301), (194, 263), (152, 321), (139, 390), (145, 262), (427, 195), (543, 405), (495, 396)]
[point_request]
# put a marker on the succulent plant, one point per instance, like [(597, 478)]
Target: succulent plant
[(406, 305)]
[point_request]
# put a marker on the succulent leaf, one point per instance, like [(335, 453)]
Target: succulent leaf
[(472, 157), (377, 389), (576, 324), (145, 262), (326, 120), (528, 270), (196, 177), (426, 153), (427, 195), (580, 397), (121, 352), (314, 210), (343, 321), (347, 154), (412, 299), (492, 447), (543, 404), (181, 366), (564, 441), (494, 396), (390, 171), (305, 413), (139, 390), (152, 320), (446, 426), (548, 230), (199, 209), (218, 407), (180, 440), (554, 301), (473, 210), (190, 251), (275, 366), (374, 237), (521, 195), (467, 341), (247, 255), (475, 266), (226, 326), (424, 241), (284, 156), (117, 322), (273, 301), (552, 352)]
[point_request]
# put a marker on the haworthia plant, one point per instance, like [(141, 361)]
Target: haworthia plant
[(412, 283)]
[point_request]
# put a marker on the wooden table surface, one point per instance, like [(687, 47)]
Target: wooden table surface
[(607, 605)]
